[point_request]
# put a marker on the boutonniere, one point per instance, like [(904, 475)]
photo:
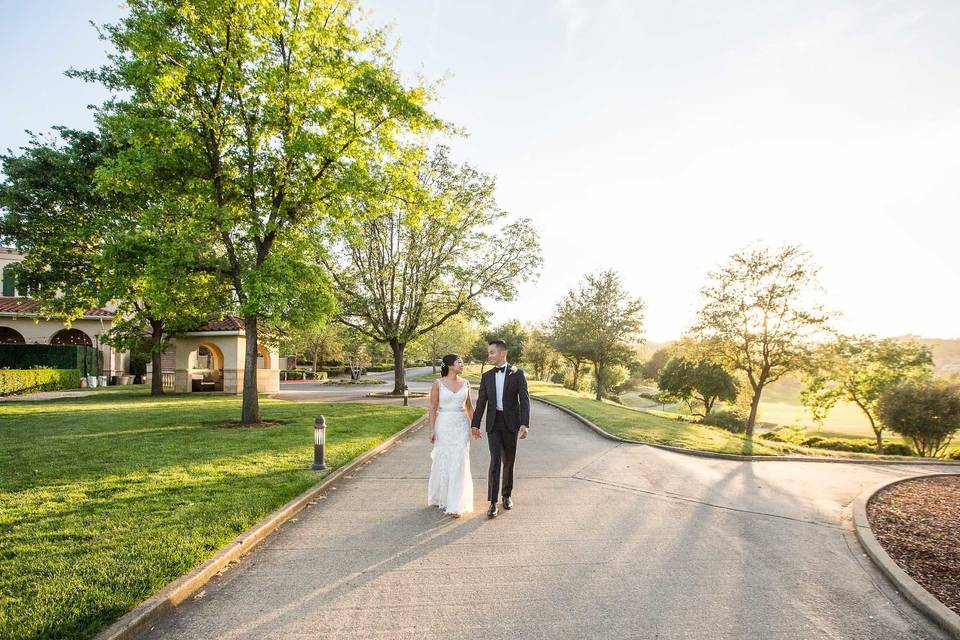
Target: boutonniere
[(511, 371)]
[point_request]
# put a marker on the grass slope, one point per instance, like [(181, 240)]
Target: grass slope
[(103, 500)]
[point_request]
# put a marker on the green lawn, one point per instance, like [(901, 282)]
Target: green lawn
[(104, 500), (647, 427)]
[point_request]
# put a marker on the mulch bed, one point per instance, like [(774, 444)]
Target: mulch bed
[(918, 524)]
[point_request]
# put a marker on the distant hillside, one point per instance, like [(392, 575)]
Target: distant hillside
[(946, 353)]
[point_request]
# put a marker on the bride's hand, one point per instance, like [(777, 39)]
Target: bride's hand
[(433, 437)]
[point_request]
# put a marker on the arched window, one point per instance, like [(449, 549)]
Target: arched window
[(10, 336), (71, 336)]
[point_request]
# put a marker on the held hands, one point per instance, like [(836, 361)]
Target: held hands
[(475, 433), (523, 431)]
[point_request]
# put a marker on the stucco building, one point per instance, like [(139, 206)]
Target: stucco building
[(211, 358)]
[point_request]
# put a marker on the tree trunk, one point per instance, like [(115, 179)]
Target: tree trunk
[(316, 355), (754, 405), (878, 433), (250, 414), (598, 374), (576, 375), (399, 373), (156, 380)]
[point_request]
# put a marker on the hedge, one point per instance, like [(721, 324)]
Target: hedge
[(13, 381), (299, 374), (50, 356)]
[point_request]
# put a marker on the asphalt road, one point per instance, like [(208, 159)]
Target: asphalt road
[(607, 540)]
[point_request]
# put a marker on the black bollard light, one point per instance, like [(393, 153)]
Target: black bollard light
[(319, 439)]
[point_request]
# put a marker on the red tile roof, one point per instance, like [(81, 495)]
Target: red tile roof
[(227, 323), (30, 306)]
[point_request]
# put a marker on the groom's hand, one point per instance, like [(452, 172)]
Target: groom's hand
[(475, 431), (523, 431)]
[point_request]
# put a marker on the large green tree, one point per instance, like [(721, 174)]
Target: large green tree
[(539, 353), (599, 321), (257, 118), (85, 247), (421, 253), (759, 314), (860, 369)]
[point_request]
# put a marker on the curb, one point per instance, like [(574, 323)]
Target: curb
[(946, 618), (735, 456), (151, 610)]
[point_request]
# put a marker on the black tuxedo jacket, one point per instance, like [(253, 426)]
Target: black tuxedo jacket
[(516, 399)]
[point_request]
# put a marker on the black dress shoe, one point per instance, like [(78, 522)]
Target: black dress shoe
[(492, 511), (507, 503)]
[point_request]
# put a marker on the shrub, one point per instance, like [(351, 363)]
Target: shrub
[(14, 381), (926, 413), (733, 421), (954, 455)]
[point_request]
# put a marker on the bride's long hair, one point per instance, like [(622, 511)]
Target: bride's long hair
[(448, 360)]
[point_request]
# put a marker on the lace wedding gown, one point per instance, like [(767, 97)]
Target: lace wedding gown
[(451, 486)]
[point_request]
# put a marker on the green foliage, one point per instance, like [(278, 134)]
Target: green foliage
[(704, 382), (925, 412), (597, 322), (611, 379), (255, 123), (650, 369), (860, 369), (16, 381), (729, 419)]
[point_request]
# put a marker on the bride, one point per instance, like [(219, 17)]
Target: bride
[(450, 486)]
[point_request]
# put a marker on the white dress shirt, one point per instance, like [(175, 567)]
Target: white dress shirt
[(500, 377)]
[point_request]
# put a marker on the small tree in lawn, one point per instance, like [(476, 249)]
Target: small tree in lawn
[(565, 333), (606, 318), (860, 369), (257, 119), (759, 314), (421, 254), (925, 412), (702, 382), (320, 343), (651, 368)]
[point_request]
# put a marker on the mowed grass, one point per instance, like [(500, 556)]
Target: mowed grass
[(648, 427), (104, 500)]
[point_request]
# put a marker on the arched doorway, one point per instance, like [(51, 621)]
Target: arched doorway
[(206, 368), (71, 336), (10, 336)]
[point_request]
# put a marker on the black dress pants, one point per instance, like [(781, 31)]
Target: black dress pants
[(503, 451)]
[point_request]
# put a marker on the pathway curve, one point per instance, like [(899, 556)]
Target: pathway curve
[(607, 540)]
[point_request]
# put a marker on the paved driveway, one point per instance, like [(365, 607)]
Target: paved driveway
[(607, 540)]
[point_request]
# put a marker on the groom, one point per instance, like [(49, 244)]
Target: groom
[(504, 388)]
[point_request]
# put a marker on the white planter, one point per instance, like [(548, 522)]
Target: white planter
[(91, 381), (125, 379), (102, 381)]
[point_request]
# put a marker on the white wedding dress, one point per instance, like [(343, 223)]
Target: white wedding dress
[(451, 486)]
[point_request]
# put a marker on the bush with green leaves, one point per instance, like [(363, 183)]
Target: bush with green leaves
[(925, 412), (732, 421), (14, 381)]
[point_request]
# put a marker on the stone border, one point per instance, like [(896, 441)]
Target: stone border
[(945, 617), (735, 456), (151, 610)]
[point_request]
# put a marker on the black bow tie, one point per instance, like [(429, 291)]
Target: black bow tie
[(500, 369)]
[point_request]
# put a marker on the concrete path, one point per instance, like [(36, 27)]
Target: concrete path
[(308, 390), (607, 540)]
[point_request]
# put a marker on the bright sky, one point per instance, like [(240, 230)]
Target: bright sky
[(656, 138)]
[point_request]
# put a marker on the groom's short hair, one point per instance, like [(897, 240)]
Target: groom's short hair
[(500, 344)]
